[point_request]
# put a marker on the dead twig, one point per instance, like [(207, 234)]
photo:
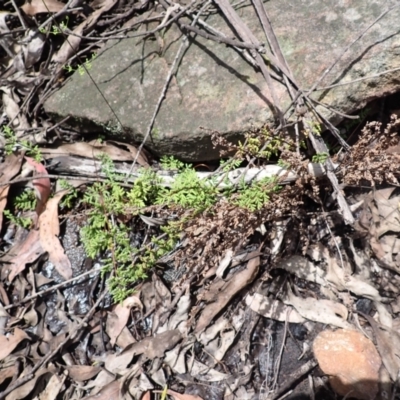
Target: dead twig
[(303, 370), (51, 289)]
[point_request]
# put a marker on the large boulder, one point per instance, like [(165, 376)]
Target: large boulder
[(216, 89)]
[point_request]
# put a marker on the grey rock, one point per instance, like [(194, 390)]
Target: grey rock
[(215, 89)]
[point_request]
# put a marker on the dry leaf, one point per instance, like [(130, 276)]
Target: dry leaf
[(8, 372), (202, 372), (49, 229), (178, 396), (146, 396), (108, 392), (9, 343), (141, 160), (3, 201), (324, 311), (221, 292), (82, 372), (34, 7), (119, 318), (23, 391), (224, 263), (53, 387), (24, 253), (12, 109), (274, 309), (93, 149), (70, 46)]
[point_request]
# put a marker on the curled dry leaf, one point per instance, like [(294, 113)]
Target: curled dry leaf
[(9, 343), (49, 229), (146, 396), (34, 7), (33, 48), (155, 346), (224, 263), (120, 318), (181, 314), (7, 373), (203, 372)]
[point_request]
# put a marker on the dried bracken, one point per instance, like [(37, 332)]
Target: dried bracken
[(375, 157)]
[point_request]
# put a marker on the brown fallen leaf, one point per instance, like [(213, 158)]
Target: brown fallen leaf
[(120, 316), (93, 149), (222, 292), (109, 392), (70, 46), (23, 391), (142, 158), (82, 372), (146, 395), (23, 253), (9, 343), (49, 229), (34, 7), (53, 387), (7, 373), (151, 347)]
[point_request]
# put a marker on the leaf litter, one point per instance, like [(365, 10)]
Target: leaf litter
[(249, 297)]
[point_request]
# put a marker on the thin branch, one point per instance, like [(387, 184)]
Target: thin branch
[(388, 71), (51, 289)]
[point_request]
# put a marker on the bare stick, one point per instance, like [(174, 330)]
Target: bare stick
[(304, 369), (18, 11), (388, 71), (51, 289)]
